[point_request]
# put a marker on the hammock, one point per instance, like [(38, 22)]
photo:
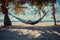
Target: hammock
[(30, 22)]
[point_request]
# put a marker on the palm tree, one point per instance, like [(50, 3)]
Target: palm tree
[(7, 21), (4, 7), (42, 2), (53, 2)]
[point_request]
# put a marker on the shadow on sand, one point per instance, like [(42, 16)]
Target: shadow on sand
[(50, 33)]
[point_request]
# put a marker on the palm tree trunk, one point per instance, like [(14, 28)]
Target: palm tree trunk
[(7, 21), (5, 12), (54, 18), (39, 12)]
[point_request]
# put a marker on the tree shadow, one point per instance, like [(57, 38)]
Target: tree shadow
[(12, 35), (49, 33)]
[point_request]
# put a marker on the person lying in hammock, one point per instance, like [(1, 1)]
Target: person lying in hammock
[(27, 22), (33, 22)]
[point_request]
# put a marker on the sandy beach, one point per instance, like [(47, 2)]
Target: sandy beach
[(21, 31), (27, 25)]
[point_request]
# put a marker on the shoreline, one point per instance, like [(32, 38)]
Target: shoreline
[(38, 24)]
